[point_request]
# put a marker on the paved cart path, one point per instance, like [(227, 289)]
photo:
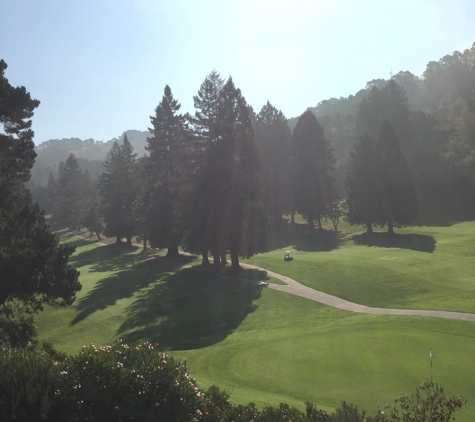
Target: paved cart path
[(295, 288)]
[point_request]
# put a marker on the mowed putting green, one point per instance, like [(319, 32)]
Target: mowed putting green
[(266, 346)]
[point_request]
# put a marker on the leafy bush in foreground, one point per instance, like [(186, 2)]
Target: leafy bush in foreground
[(122, 383), (28, 382), (17, 324), (119, 382)]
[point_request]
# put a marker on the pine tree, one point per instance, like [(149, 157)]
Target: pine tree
[(198, 204), (399, 199), (119, 188), (273, 140), (363, 183), (33, 265), (379, 183), (51, 192), (238, 218), (166, 174), (313, 188), (71, 194)]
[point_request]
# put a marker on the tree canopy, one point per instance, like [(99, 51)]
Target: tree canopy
[(34, 266)]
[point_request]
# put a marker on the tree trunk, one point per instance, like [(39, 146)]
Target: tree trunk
[(172, 252), (98, 236), (390, 227), (118, 240), (292, 218), (224, 261), (205, 260), (310, 223), (369, 228), (129, 241), (216, 259), (319, 223), (335, 226), (234, 260)]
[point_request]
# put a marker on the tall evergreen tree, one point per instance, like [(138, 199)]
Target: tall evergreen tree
[(71, 194), (199, 204), (119, 188), (399, 200), (33, 265), (238, 218), (313, 163), (206, 104), (166, 174), (363, 183), (273, 140), (380, 189), (51, 192)]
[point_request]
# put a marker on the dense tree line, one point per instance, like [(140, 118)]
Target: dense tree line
[(398, 150)]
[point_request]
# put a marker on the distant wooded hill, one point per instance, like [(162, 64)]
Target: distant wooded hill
[(90, 154)]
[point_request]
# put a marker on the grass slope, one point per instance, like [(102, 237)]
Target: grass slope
[(418, 268), (266, 346)]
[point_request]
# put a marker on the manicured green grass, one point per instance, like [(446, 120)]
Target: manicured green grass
[(418, 268), (266, 346)]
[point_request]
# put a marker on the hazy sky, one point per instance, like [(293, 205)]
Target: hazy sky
[(99, 67)]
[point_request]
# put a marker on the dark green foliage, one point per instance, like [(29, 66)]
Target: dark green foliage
[(17, 324), (399, 200), (166, 174), (33, 266), (28, 380), (239, 223), (313, 188), (71, 194), (119, 382), (92, 220), (199, 204), (225, 210), (379, 183), (273, 140), (119, 187), (429, 404)]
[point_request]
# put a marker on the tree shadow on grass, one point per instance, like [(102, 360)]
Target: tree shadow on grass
[(300, 238), (416, 242), (190, 309), (124, 284), (106, 258)]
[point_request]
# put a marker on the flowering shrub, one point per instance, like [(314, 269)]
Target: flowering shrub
[(119, 383), (122, 383)]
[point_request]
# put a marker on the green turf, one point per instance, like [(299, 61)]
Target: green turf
[(418, 268), (267, 346)]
